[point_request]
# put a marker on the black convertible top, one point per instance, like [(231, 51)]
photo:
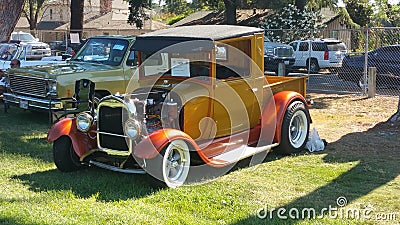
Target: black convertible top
[(157, 40)]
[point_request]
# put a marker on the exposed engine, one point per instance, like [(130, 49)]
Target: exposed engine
[(158, 108)]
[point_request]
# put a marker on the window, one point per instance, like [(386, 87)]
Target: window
[(51, 14), (319, 46), (336, 46), (303, 46), (132, 59), (294, 45)]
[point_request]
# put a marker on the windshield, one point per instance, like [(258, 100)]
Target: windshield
[(336, 46), (23, 37), (103, 51)]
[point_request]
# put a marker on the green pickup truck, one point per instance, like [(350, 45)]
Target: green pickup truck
[(105, 60)]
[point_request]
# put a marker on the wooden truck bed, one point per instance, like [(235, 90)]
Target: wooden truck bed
[(297, 84)]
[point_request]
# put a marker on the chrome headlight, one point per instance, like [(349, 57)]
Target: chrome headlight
[(132, 128), (84, 121)]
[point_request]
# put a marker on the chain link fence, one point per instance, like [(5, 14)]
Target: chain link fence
[(364, 48), (348, 69)]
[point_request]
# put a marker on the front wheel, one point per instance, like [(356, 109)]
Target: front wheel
[(295, 128), (172, 168), (64, 155)]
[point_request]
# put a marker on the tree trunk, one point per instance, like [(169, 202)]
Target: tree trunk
[(300, 4), (10, 11), (396, 116), (230, 12), (31, 20), (76, 25)]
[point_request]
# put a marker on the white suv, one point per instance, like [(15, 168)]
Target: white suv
[(324, 53), (35, 48)]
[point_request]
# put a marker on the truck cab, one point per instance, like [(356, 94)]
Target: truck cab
[(105, 60)]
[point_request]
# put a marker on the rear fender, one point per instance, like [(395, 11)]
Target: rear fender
[(150, 146), (282, 100), (81, 142)]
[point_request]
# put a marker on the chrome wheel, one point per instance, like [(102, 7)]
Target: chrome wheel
[(298, 129), (176, 162), (295, 128)]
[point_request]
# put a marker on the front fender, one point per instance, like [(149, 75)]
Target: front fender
[(151, 145), (282, 101), (81, 142)]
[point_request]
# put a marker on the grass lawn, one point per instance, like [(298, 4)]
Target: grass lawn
[(355, 180)]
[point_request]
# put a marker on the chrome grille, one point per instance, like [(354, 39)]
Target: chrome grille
[(284, 52), (26, 85), (110, 128)]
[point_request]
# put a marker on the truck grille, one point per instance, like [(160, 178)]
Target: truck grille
[(283, 52), (26, 85), (110, 127)]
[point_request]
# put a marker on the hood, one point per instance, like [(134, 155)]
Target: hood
[(275, 44), (35, 43), (54, 70)]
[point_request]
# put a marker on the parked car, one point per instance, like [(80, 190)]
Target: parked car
[(106, 60), (35, 48), (275, 53), (212, 107), (10, 51), (317, 54), (386, 60)]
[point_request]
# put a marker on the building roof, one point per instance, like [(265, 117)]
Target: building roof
[(244, 17)]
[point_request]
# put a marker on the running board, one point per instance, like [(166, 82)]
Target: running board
[(116, 169), (235, 155)]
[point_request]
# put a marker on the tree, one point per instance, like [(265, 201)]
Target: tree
[(300, 4), (10, 12), (360, 11), (76, 23), (291, 23), (136, 12), (31, 12), (230, 11), (76, 7)]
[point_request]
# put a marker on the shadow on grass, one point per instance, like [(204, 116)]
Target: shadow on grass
[(14, 221), (24, 133), (103, 184), (377, 155)]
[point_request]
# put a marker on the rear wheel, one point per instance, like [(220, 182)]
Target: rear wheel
[(313, 66), (295, 128), (64, 155)]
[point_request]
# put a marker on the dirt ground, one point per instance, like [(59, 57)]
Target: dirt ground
[(356, 124)]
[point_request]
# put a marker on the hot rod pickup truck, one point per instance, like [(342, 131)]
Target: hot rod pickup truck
[(212, 108), (105, 60)]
